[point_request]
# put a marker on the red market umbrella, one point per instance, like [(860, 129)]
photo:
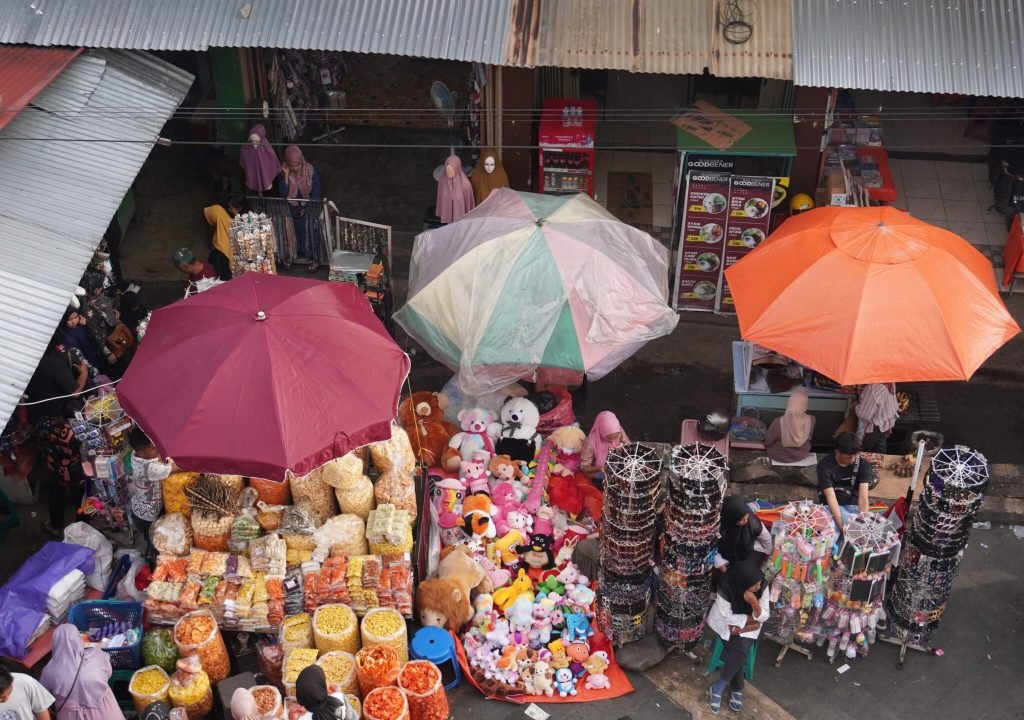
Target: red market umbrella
[(265, 374)]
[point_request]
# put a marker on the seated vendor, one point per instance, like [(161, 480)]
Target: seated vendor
[(844, 480), (742, 535), (788, 439), (605, 435)]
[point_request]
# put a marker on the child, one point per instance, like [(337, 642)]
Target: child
[(145, 491)]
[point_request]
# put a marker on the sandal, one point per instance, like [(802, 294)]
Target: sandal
[(736, 700), (716, 701)]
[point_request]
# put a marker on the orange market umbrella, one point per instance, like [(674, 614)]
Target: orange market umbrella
[(868, 295)]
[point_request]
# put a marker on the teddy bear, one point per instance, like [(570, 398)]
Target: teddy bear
[(595, 667), (421, 415), (479, 432), (444, 601), (541, 632), (520, 620), (543, 679), (518, 437), (565, 683), (568, 444)]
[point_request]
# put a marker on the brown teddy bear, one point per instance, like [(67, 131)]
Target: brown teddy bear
[(421, 415), (444, 601)]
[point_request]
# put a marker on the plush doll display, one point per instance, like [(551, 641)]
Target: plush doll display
[(518, 437), (444, 601), (421, 415), (478, 434), (568, 444)]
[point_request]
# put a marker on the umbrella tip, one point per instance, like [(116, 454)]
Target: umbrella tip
[(261, 315)]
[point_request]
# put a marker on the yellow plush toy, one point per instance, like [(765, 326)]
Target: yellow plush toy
[(522, 586)]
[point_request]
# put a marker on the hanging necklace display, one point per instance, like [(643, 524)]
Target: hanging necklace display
[(802, 541), (854, 591), (252, 244), (939, 528), (697, 481), (628, 527)]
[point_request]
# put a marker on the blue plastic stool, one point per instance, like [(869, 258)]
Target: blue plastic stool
[(436, 645), (717, 662)]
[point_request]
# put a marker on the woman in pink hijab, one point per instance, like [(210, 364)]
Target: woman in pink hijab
[(78, 679), (259, 161), (788, 438), (605, 434), (454, 192), (300, 181)]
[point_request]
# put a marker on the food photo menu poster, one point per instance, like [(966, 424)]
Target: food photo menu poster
[(749, 221), (699, 267)]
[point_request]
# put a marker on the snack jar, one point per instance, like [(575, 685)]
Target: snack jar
[(197, 634), (295, 661), (386, 626), (421, 682), (296, 632), (386, 703), (268, 701), (340, 670), (334, 628), (149, 685), (190, 688), (376, 666)]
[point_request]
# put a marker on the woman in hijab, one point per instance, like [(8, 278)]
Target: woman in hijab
[(788, 438), (740, 608), (133, 310), (243, 706), (311, 692), (743, 536), (78, 678), (259, 161), (454, 192), (72, 334), (299, 180), (488, 175), (220, 253), (606, 434)]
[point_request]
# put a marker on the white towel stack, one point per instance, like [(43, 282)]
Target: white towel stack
[(65, 593)]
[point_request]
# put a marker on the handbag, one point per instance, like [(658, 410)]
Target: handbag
[(748, 427), (120, 340)]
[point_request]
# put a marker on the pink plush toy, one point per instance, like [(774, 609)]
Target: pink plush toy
[(540, 635), (520, 620), (570, 577), (451, 531), (499, 578), (473, 473), (502, 495), (479, 432)]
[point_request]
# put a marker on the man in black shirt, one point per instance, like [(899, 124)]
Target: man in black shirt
[(844, 480)]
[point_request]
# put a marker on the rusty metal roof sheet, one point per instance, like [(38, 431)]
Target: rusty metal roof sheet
[(25, 71)]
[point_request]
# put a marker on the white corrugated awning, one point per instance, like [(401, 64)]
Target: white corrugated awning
[(968, 47), (66, 162)]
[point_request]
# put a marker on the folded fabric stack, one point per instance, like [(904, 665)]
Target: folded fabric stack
[(44, 625), (63, 594)]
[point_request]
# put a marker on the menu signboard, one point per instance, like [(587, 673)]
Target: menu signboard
[(699, 268), (750, 207)]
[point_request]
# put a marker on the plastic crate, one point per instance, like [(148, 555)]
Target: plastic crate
[(92, 614)]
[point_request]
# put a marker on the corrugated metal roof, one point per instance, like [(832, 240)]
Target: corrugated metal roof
[(970, 47), (25, 71), (659, 36), (62, 176), (470, 30)]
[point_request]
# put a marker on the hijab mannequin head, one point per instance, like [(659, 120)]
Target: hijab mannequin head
[(489, 164), (449, 171)]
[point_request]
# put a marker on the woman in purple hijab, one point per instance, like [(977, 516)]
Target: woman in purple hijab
[(259, 161), (78, 679)]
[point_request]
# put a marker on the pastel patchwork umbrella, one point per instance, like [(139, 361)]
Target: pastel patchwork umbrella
[(264, 374), (867, 295), (538, 287)]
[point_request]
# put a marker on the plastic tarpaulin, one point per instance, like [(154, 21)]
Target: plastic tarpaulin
[(527, 282), (23, 597)]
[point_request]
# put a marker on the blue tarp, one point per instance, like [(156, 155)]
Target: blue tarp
[(23, 597)]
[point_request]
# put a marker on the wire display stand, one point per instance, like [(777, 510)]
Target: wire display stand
[(936, 537)]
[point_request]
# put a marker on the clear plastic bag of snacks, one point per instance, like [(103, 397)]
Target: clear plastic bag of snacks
[(172, 534), (376, 666), (197, 634), (296, 632), (173, 488), (421, 681), (190, 688), (272, 492), (270, 658), (386, 626), (149, 685), (268, 701), (340, 670), (211, 532), (335, 627), (386, 703)]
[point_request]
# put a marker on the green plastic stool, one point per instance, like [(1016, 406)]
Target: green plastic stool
[(13, 518), (716, 659)]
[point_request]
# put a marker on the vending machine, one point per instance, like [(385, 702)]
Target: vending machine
[(566, 163)]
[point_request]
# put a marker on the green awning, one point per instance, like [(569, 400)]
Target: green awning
[(769, 135)]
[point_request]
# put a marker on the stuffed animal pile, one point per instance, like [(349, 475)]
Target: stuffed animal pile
[(513, 505)]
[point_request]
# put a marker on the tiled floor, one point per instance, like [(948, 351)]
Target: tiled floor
[(955, 196)]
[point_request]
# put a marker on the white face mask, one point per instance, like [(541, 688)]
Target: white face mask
[(255, 139), (489, 164)]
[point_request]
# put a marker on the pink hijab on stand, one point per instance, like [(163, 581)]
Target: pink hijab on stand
[(259, 162), (605, 424), (454, 194), (796, 423)]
